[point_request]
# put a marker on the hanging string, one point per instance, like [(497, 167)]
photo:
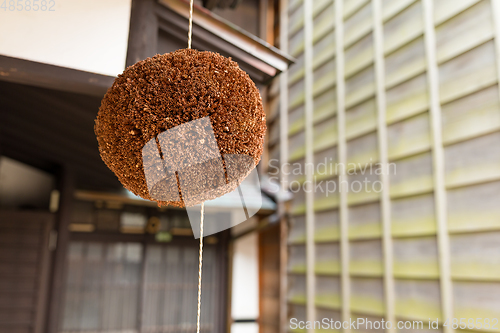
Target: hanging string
[(199, 268), (190, 31)]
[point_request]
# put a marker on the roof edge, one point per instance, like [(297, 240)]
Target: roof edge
[(232, 34)]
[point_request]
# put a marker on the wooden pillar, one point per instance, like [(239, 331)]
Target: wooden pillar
[(266, 21), (438, 163), (58, 275), (309, 160), (495, 6), (225, 251), (385, 201), (283, 118), (143, 31), (342, 157)]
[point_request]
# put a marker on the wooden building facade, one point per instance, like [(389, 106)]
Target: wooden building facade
[(88, 257), (413, 85)]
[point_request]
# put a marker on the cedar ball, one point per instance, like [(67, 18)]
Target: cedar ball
[(162, 92)]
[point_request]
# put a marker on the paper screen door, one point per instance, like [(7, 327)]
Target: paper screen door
[(115, 287)]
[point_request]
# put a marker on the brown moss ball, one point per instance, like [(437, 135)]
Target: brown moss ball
[(162, 92)]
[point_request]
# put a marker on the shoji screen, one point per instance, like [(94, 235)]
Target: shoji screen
[(116, 287), (103, 287)]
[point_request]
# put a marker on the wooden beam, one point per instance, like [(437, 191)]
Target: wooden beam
[(385, 201), (53, 77), (438, 163), (173, 24), (261, 227), (115, 197), (103, 237)]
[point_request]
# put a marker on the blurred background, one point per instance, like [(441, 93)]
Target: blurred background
[(413, 84)]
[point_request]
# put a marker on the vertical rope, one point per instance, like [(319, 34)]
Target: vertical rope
[(190, 34), (190, 31), (199, 268)]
